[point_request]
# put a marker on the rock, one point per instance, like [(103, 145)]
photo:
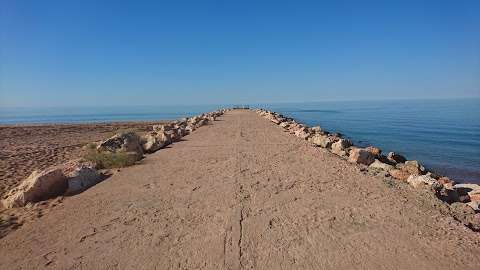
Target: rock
[(465, 214), (472, 190), (80, 177), (361, 156), (378, 165), (302, 133), (340, 147), (396, 158), (154, 141), (474, 205), (37, 187), (445, 180), (284, 124), (275, 120), (399, 174), (447, 194), (374, 151), (201, 122), (162, 128), (322, 140), (418, 181), (172, 135), (409, 168), (474, 195), (413, 167), (316, 129), (122, 142), (433, 175), (190, 128)]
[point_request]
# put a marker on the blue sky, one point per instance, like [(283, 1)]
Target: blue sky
[(74, 53)]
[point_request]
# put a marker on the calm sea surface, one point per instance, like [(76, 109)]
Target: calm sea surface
[(443, 134)]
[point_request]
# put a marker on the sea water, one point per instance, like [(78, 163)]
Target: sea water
[(443, 134)]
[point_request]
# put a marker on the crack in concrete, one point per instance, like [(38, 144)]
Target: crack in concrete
[(240, 251)]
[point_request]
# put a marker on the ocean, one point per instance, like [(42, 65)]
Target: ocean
[(443, 134)]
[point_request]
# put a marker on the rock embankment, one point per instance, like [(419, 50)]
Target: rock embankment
[(78, 175), (463, 199)]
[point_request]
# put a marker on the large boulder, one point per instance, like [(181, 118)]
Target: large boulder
[(378, 165), (69, 178), (153, 141), (302, 132), (40, 185), (419, 181), (80, 176), (412, 166), (361, 156), (341, 146), (173, 135), (322, 140), (122, 142)]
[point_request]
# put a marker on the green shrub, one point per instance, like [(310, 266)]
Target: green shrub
[(107, 160)]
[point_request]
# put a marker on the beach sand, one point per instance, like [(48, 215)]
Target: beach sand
[(24, 148), (243, 193)]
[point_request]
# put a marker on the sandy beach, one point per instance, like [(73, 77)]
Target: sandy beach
[(24, 148), (243, 193)]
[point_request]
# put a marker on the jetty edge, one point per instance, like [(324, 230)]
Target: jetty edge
[(122, 149), (463, 199)]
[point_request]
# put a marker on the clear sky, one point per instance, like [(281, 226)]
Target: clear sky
[(208, 52)]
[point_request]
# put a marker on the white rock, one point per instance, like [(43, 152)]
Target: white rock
[(418, 181), (377, 164), (38, 186), (82, 177)]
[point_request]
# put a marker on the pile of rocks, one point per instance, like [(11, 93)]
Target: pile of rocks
[(69, 178), (391, 165), (77, 175)]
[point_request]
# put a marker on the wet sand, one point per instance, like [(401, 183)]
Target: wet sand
[(239, 194)]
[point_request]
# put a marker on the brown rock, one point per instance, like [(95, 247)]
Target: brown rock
[(374, 151), (399, 174), (361, 156), (445, 180), (302, 133)]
